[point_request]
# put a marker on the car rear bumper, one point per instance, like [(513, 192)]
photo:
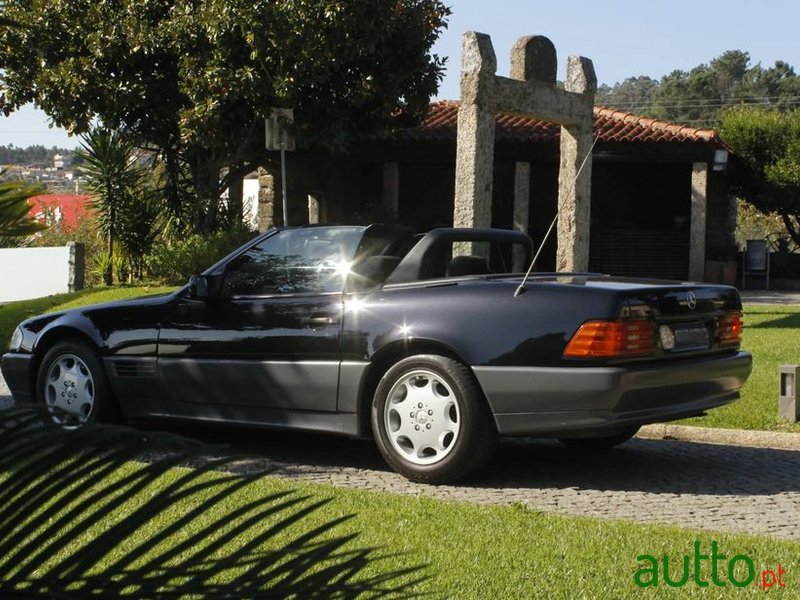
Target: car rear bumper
[(596, 400), (16, 370)]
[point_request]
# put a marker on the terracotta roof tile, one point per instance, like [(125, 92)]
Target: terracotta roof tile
[(610, 124)]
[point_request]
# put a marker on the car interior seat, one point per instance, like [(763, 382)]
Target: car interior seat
[(467, 265)]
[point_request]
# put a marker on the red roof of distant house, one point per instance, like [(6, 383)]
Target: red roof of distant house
[(71, 206), (610, 125)]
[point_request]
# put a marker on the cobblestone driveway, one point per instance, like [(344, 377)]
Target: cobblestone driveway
[(703, 486), (720, 488)]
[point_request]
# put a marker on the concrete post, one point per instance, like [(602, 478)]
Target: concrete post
[(575, 173), (697, 228), (313, 209), (789, 393), (391, 190), (77, 266), (522, 196), (475, 138)]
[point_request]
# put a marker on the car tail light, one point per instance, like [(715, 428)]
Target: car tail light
[(730, 329), (611, 339)]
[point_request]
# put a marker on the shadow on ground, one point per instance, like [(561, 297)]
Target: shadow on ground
[(105, 512)]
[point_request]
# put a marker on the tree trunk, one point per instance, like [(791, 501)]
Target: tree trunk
[(172, 186), (792, 228), (108, 275), (206, 187)]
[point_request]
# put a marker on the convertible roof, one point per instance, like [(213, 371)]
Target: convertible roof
[(413, 266)]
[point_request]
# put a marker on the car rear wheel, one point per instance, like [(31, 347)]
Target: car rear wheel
[(72, 386), (600, 443), (430, 420)]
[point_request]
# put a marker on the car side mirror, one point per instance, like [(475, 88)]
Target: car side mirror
[(203, 287)]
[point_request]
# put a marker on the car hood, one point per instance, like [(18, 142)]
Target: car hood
[(37, 323)]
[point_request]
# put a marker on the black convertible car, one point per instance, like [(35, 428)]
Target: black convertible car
[(434, 345)]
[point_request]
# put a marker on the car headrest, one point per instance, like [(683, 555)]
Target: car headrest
[(467, 265)]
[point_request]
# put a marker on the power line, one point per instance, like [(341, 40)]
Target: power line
[(712, 103), (737, 98)]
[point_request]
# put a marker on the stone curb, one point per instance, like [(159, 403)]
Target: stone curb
[(779, 440)]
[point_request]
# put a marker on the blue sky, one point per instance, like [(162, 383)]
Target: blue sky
[(622, 38)]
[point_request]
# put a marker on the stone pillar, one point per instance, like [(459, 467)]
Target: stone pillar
[(475, 138), (530, 91), (268, 194), (313, 209), (533, 58), (391, 190), (575, 173), (697, 228), (522, 197)]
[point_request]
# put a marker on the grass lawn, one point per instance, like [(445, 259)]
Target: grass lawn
[(772, 335), (465, 551), (12, 313)]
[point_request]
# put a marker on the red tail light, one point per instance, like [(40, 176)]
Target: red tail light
[(730, 329), (611, 339)]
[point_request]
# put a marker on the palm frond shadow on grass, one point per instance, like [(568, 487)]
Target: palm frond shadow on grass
[(81, 517)]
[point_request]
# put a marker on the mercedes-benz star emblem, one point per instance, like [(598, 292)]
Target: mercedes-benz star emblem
[(691, 300)]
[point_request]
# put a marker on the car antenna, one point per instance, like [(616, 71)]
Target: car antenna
[(521, 287)]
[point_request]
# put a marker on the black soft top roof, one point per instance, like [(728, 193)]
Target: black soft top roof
[(415, 265)]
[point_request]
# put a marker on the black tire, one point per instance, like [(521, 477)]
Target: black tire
[(49, 392), (595, 444), (465, 409)]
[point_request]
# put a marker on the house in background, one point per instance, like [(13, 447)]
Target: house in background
[(660, 201), (65, 208)]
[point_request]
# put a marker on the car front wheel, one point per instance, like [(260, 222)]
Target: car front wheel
[(430, 420), (72, 387)]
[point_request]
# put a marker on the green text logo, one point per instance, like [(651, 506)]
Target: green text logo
[(738, 570)]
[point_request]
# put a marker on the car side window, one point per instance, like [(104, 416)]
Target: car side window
[(293, 261)]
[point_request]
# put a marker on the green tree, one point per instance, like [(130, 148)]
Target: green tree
[(113, 178), (766, 145), (194, 79), (635, 94), (16, 224), (695, 97), (698, 96)]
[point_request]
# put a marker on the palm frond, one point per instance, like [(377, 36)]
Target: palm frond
[(108, 511), (15, 220)]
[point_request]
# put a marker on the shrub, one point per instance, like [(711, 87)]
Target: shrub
[(174, 262)]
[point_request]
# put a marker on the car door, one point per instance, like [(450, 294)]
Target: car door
[(271, 337)]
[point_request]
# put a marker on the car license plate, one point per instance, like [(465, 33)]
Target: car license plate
[(684, 336)]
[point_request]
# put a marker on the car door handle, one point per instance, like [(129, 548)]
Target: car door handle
[(318, 320)]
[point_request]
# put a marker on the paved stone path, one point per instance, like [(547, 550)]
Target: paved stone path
[(702, 486), (769, 297)]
